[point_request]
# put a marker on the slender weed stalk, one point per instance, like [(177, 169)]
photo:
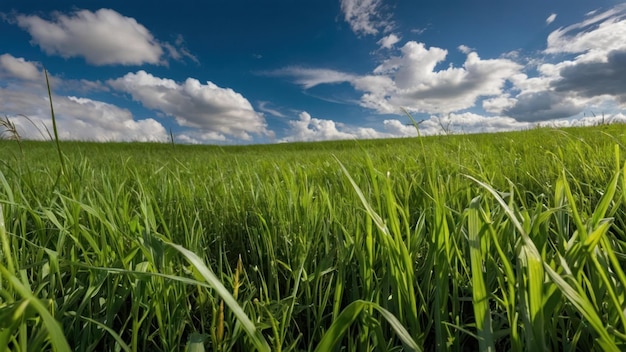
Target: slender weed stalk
[(54, 125)]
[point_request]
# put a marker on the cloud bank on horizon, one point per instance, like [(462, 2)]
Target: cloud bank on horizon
[(113, 81)]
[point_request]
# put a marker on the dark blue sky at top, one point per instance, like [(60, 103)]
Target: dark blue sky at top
[(242, 44)]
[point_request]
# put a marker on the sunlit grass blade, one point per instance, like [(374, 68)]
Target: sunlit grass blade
[(480, 296), (532, 279), (370, 211)]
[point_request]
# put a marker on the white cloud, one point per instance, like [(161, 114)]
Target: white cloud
[(311, 77), (82, 118), (591, 79), (365, 16), (200, 137), (418, 86), (417, 80), (179, 51), (469, 123), (264, 107), (22, 75), (600, 65), (307, 129), (412, 81), (19, 68), (418, 30), (551, 18), (77, 119), (103, 37), (596, 36), (388, 41), (193, 104), (465, 49), (498, 104), (398, 129)]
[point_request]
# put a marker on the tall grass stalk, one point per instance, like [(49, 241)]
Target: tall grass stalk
[(54, 124)]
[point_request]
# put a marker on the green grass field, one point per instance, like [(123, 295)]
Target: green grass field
[(511, 241)]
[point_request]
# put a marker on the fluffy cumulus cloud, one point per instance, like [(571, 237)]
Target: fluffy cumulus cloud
[(419, 86), (103, 37), (469, 123), (22, 75), (18, 68), (388, 42), (193, 104), (397, 128), (582, 69), (307, 128), (543, 105), (365, 16), (77, 119), (200, 137), (82, 118), (23, 93), (600, 64), (590, 79), (412, 80)]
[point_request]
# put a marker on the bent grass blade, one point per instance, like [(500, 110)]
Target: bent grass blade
[(348, 316), (253, 333)]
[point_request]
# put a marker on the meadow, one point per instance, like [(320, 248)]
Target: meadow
[(493, 242)]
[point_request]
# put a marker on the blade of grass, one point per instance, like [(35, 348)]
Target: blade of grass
[(350, 314), (55, 332), (253, 333), (480, 295), (54, 125), (534, 276)]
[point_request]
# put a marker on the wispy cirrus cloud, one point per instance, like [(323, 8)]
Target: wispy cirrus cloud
[(311, 77), (264, 106), (593, 38)]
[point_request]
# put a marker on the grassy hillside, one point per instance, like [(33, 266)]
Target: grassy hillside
[(511, 241)]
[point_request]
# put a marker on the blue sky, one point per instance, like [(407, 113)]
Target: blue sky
[(241, 72)]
